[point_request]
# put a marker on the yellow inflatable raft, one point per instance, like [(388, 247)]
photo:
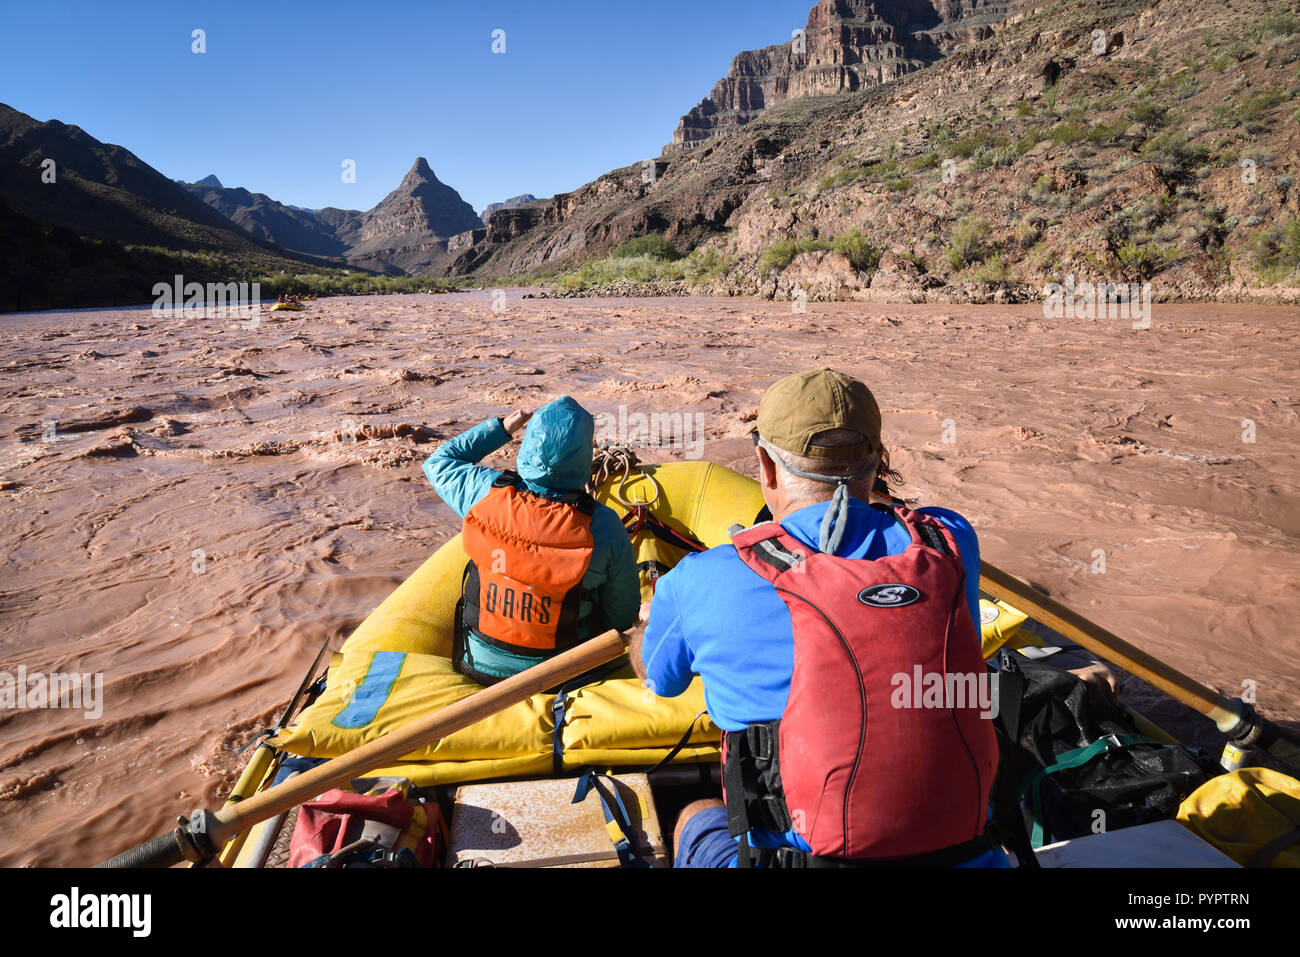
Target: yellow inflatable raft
[(396, 668)]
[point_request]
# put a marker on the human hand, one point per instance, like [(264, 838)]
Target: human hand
[(1101, 678), (515, 421)]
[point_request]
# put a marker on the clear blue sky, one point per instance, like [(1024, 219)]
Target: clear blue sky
[(288, 90)]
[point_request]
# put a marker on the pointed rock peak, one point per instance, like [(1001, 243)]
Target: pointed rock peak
[(420, 172), (211, 181)]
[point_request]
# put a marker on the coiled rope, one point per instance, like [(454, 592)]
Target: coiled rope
[(607, 462)]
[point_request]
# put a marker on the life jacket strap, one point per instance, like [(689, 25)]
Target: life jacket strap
[(751, 779), (580, 500), (944, 857)]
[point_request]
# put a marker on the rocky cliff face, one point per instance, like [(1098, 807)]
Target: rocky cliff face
[(847, 45), (1006, 165), (513, 202)]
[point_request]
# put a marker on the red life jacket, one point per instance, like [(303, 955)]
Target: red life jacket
[(527, 556), (860, 778)]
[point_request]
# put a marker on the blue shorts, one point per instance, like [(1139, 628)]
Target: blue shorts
[(706, 841)]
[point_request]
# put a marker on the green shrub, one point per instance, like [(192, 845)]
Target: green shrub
[(995, 156), (1068, 133), (1277, 251), (993, 270), (859, 251), (1252, 110), (1028, 235), (1103, 133), (1276, 26), (879, 171), (927, 160), (940, 133), (1171, 151), (966, 146), (1028, 142), (1146, 111), (780, 254), (653, 245), (707, 263), (968, 243), (1143, 258)]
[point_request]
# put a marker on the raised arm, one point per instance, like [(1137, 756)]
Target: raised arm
[(453, 470)]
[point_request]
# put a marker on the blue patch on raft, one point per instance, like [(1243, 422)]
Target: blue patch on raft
[(373, 691)]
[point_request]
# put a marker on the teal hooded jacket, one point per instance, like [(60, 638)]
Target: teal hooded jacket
[(554, 458)]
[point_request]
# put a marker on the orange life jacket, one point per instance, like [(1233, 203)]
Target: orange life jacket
[(527, 555)]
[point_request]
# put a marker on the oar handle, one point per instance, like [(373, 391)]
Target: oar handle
[(1226, 713)]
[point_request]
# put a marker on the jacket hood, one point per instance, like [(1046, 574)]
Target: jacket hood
[(556, 451)]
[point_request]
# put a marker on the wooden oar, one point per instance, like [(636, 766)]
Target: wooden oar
[(205, 833), (1234, 717)]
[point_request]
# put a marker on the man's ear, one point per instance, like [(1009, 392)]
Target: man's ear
[(766, 468)]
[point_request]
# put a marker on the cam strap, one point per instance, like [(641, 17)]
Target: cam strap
[(676, 749), (618, 823), (640, 518), (1032, 784), (560, 705)]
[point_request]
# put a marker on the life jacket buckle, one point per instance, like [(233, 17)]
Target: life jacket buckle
[(760, 741), (791, 857)]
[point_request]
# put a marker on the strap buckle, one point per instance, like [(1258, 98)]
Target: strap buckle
[(790, 857), (760, 741)]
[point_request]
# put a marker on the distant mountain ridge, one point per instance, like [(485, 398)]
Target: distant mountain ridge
[(102, 190), (70, 205), (406, 232), (260, 216)]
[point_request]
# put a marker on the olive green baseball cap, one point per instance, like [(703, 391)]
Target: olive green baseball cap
[(795, 409)]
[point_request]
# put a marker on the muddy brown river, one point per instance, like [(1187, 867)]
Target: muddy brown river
[(188, 508)]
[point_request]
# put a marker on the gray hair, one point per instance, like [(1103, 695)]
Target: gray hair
[(805, 489)]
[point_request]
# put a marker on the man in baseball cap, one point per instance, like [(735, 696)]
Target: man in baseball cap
[(820, 455)]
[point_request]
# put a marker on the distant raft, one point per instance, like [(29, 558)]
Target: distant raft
[(288, 307)]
